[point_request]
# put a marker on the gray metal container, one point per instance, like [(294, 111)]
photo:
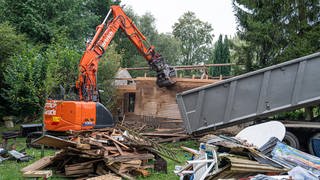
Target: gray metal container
[(252, 96)]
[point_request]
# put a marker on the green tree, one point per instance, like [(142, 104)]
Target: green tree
[(99, 8), (130, 54), (277, 31), (42, 20), (11, 43), (226, 57), (63, 59), (146, 24), (169, 47), (124, 45), (2, 16), (241, 55), (108, 67), (196, 38), (24, 83), (217, 57), (221, 55)]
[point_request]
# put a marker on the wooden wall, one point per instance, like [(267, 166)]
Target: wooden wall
[(153, 101)]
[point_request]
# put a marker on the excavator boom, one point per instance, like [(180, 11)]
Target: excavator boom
[(95, 49), (88, 113)]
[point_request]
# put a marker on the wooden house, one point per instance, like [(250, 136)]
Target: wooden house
[(141, 102)]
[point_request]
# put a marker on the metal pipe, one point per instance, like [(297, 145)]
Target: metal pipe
[(98, 31), (105, 19)]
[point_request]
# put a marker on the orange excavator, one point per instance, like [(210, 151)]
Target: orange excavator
[(88, 113)]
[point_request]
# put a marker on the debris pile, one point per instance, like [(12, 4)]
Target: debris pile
[(158, 129), (166, 135), (231, 157), (101, 152)]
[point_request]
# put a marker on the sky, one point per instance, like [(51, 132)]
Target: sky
[(218, 13)]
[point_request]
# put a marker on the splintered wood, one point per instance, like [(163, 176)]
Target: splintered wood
[(98, 153)]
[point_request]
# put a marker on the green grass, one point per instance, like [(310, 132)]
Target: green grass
[(182, 156), (10, 169)]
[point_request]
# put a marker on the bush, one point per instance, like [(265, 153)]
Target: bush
[(63, 59), (24, 83)]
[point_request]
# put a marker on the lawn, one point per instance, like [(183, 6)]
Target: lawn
[(10, 169)]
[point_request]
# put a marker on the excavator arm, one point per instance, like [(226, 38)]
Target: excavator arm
[(87, 82)]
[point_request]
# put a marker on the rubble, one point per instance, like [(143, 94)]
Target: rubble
[(231, 157), (152, 128), (102, 152)]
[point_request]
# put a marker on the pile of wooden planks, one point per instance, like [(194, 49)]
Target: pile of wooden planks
[(167, 135), (100, 152), (159, 129)]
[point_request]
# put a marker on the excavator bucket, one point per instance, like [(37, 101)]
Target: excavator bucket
[(165, 73), (166, 81)]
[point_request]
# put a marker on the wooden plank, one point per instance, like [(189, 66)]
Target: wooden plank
[(173, 139), (134, 164), (256, 167), (169, 130), (190, 150), (105, 177), (38, 174), (110, 148), (186, 67), (163, 134), (121, 144), (82, 165), (80, 168), (178, 80), (53, 141), (83, 146), (77, 167), (148, 166), (118, 148), (91, 153), (125, 158), (41, 163), (79, 171), (120, 174), (142, 172), (245, 169)]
